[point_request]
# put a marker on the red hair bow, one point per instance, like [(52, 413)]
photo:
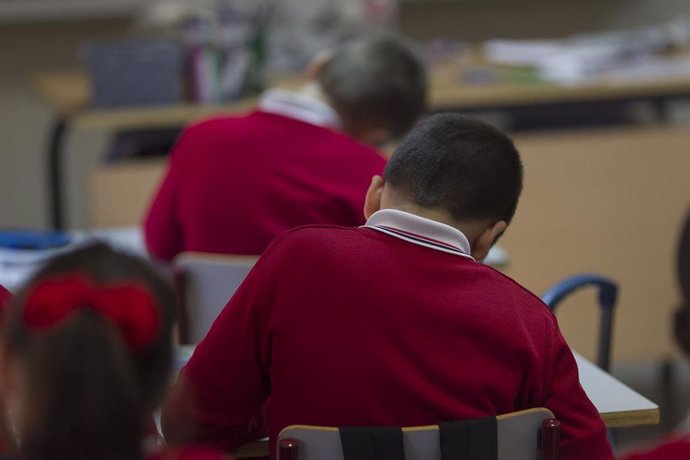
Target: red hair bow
[(129, 306)]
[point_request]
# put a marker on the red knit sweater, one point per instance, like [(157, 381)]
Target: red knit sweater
[(351, 326), (235, 183), (5, 296)]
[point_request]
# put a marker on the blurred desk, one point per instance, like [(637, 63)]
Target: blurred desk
[(68, 94), (17, 266)]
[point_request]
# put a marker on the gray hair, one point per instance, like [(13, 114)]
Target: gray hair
[(378, 79)]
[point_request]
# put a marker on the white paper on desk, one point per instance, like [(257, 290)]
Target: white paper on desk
[(559, 61), (521, 52), (626, 55), (649, 69), (23, 257), (19, 265)]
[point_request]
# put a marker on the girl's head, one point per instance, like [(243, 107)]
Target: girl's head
[(86, 351)]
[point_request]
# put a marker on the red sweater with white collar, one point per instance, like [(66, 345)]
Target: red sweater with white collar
[(354, 326), (235, 183)]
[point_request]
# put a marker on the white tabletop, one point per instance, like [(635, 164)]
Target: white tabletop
[(618, 404)]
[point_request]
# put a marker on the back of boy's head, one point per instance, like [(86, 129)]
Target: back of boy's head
[(459, 165), (90, 388), (378, 79)]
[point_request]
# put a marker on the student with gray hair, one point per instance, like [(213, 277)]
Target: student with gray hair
[(305, 157)]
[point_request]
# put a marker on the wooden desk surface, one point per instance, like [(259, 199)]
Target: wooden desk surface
[(500, 95), (68, 93)]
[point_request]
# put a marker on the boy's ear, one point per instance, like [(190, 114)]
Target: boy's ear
[(481, 246), (376, 136), (316, 64), (369, 132), (372, 201)]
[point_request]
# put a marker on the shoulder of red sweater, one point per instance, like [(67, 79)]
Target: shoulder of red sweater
[(215, 122), (313, 234), (224, 123), (319, 240), (5, 295), (524, 294)]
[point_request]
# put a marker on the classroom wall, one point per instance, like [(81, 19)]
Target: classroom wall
[(28, 48), (25, 120), (611, 202)]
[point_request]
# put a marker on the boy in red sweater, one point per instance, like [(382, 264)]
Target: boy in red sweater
[(305, 157), (395, 322)]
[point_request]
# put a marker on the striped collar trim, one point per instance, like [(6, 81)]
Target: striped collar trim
[(421, 231), (303, 106)]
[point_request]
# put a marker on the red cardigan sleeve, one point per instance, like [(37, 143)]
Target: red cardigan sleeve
[(162, 229), (5, 296), (583, 434), (218, 398)]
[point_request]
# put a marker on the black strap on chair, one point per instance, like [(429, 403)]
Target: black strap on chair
[(475, 439), (367, 443)]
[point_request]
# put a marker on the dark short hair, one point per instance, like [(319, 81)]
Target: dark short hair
[(376, 78), (463, 166)]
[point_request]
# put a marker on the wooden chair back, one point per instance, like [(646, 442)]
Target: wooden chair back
[(205, 283)]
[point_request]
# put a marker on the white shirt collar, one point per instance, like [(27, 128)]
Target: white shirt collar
[(304, 105), (419, 230)]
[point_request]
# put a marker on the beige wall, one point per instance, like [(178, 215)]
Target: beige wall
[(25, 121), (28, 48), (611, 202)]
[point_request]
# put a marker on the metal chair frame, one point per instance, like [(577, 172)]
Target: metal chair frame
[(608, 295)]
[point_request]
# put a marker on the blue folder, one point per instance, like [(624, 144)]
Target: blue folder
[(33, 239)]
